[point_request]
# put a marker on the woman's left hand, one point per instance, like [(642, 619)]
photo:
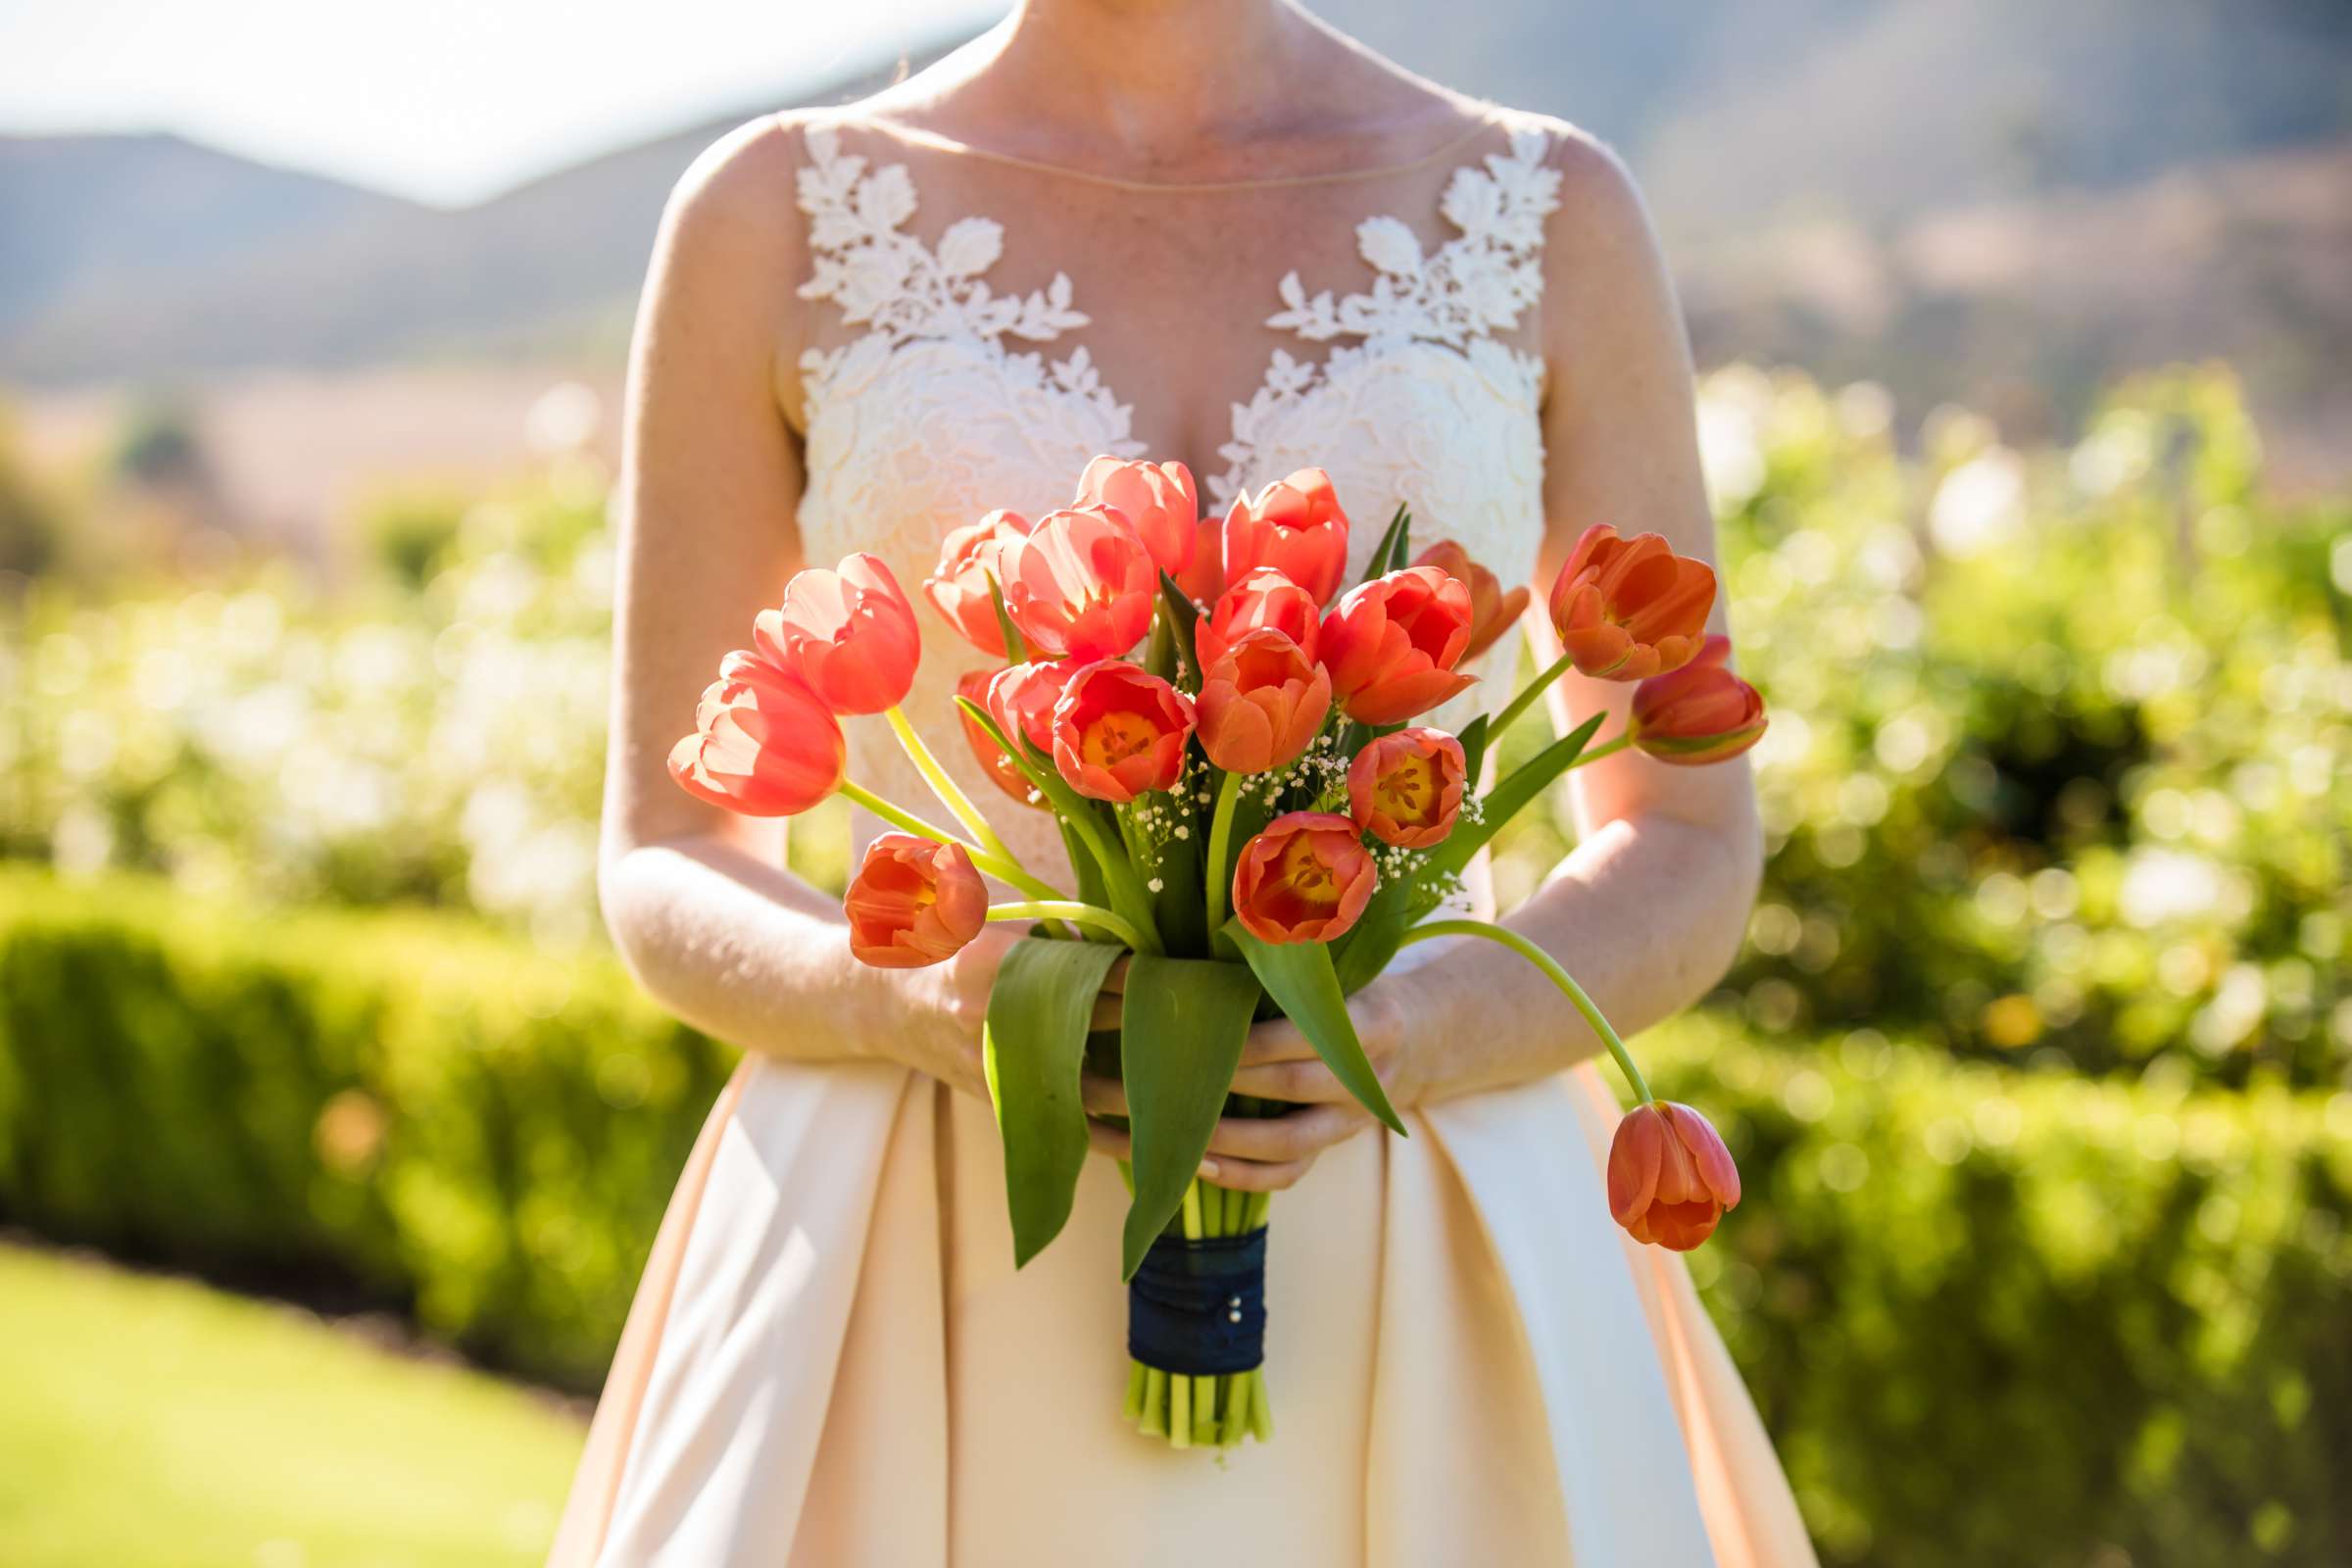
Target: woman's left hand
[(1266, 1153)]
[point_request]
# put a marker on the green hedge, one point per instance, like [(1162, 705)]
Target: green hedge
[(1991, 1316)]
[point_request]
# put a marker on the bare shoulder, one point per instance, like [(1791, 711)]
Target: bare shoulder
[(739, 190)]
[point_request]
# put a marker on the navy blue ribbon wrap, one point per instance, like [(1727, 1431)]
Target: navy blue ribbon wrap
[(1198, 1309)]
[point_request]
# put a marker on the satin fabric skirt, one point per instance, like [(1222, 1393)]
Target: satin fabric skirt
[(831, 1362)]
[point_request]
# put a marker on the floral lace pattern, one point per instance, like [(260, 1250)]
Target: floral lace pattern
[(929, 418)]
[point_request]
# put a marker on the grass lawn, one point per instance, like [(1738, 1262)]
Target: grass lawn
[(153, 1422)]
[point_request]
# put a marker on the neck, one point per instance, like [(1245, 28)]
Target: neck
[(1156, 80)]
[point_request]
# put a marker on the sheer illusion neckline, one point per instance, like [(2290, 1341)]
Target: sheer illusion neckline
[(917, 136)]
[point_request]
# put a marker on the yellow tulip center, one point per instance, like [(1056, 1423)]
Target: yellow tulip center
[(1115, 737), (1409, 791)]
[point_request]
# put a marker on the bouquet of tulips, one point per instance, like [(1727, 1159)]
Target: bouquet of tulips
[(1251, 820)]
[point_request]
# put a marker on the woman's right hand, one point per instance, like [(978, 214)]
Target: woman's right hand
[(930, 1019)]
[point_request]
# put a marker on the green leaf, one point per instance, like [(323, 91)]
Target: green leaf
[(1179, 616), (1183, 1022), (1391, 544), (1474, 750), (1016, 646), (1300, 977), (1032, 1048), (1508, 798)]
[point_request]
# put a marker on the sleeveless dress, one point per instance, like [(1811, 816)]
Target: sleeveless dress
[(831, 1359)]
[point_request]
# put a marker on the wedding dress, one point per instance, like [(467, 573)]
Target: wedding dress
[(831, 1359)]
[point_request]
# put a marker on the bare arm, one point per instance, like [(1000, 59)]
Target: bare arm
[(697, 899)]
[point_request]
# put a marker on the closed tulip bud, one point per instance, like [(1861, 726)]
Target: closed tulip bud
[(1699, 713), (1390, 644), (1629, 609), (1158, 500), (1294, 525), (1406, 788), (914, 903), (763, 744), (972, 687), (1491, 610), (1021, 698), (1306, 878), (971, 556), (1263, 597), (1081, 584), (1261, 703), (1121, 731), (1670, 1176), (850, 634)]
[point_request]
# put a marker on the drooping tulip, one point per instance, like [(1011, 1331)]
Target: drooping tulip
[(1670, 1176), (1390, 644), (1158, 500), (1021, 698), (1629, 609), (850, 634), (972, 686), (1306, 877), (1491, 610), (763, 744), (914, 903), (1119, 731), (1261, 596), (1406, 788), (1294, 525), (1080, 584), (1261, 703), (971, 556), (1699, 714)]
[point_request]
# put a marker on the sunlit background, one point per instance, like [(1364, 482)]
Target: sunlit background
[(332, 1138)]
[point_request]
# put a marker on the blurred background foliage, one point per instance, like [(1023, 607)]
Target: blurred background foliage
[(2039, 1062)]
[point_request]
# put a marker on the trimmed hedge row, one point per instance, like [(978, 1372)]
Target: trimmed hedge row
[(1989, 1316)]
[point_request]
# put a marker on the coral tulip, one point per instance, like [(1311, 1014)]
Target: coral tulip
[(914, 903), (1670, 1176), (1406, 788), (1158, 500), (1263, 597), (1204, 578), (1306, 878), (1390, 644), (850, 634), (1021, 699), (972, 687), (1261, 703), (763, 744), (1119, 731), (1629, 609), (1081, 584), (1491, 610), (1294, 525), (1699, 714), (971, 556)]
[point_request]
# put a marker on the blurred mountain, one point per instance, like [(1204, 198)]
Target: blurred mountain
[(135, 256)]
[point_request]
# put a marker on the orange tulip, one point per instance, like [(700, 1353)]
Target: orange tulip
[(850, 634), (1119, 731), (1390, 644), (1699, 714), (1306, 878), (1670, 1176), (1263, 597), (1022, 696), (914, 903), (967, 559), (1406, 788), (763, 744), (1491, 610), (1629, 609), (1294, 525), (1081, 584), (1204, 578), (972, 686), (1261, 703), (1158, 500)]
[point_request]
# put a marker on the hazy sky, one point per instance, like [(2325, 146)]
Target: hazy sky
[(447, 100)]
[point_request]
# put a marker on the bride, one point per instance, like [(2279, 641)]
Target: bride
[(1211, 231)]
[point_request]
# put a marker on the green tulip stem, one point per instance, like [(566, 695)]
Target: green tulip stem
[(1220, 845), (1070, 910), (950, 794), (1526, 697), (1003, 868), (1553, 972)]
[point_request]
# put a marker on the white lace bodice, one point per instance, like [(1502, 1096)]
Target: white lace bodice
[(938, 410)]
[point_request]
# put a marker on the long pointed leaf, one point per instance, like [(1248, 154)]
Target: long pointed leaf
[(1300, 977), (1183, 1022), (1032, 1049), (1508, 798), (1388, 545), (1179, 614)]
